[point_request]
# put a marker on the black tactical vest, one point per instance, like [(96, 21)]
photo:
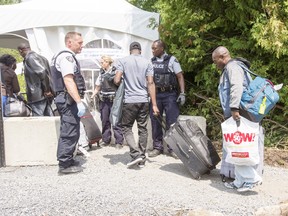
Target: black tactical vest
[(107, 83), (57, 79), (163, 77)]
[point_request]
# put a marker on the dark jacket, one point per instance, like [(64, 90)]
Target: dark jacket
[(36, 71), (10, 80)]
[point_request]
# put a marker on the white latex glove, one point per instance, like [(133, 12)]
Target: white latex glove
[(181, 99), (81, 109)]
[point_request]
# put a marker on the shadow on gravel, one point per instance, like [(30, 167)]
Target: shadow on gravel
[(82, 160), (118, 158), (177, 168)]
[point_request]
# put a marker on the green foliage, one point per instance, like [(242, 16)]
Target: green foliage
[(22, 83), (7, 2), (148, 5), (12, 52), (255, 30)]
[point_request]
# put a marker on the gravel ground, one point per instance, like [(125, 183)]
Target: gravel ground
[(107, 187)]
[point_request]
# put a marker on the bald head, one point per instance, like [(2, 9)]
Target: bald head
[(23, 49), (221, 56), (221, 50)]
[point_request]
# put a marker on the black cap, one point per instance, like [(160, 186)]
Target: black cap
[(135, 45)]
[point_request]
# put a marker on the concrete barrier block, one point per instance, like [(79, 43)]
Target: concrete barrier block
[(31, 140), (200, 120), (34, 140)]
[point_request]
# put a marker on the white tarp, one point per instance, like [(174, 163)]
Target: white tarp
[(46, 22)]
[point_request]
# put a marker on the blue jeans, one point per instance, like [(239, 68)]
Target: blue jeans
[(4, 99), (41, 108)]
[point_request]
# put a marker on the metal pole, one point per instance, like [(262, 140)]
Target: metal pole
[(2, 150)]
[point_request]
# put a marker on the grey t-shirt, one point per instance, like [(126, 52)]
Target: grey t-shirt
[(135, 69)]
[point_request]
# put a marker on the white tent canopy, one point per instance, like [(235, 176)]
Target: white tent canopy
[(107, 26)]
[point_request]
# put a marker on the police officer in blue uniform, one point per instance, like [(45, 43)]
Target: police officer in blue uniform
[(168, 78), (69, 86), (107, 88)]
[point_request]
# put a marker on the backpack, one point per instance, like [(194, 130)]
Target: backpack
[(258, 98)]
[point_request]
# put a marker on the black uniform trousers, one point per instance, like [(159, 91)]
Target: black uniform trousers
[(69, 130)]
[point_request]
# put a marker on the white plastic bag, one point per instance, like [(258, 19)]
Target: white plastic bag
[(240, 141)]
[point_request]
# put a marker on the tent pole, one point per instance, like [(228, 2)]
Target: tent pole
[(2, 150)]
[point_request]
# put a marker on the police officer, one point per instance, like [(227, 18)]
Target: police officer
[(69, 86), (168, 77), (107, 88)]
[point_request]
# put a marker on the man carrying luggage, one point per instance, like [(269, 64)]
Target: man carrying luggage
[(231, 86), (168, 76), (137, 73)]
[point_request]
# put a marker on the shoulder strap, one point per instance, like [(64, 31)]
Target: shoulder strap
[(246, 69), (63, 51), (166, 58)]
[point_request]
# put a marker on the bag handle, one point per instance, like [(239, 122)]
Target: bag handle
[(161, 121), (238, 123)]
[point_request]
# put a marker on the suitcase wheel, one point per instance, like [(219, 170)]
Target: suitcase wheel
[(223, 178), (208, 172), (198, 177)]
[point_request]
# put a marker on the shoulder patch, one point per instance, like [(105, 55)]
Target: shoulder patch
[(175, 60), (70, 59)]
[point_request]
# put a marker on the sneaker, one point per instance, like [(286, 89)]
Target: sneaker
[(75, 163), (141, 164), (154, 153), (103, 144), (230, 185), (70, 170), (134, 162), (248, 186), (118, 146), (172, 154)]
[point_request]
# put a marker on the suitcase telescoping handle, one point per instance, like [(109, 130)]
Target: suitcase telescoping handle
[(161, 121)]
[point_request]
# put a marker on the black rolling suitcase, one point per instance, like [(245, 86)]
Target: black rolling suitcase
[(193, 147), (93, 133)]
